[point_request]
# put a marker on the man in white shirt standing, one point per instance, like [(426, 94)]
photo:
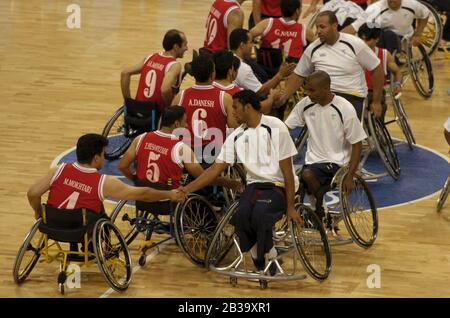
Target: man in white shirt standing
[(335, 136), (265, 148), (344, 57)]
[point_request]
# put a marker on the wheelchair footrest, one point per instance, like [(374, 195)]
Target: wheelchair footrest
[(250, 275)]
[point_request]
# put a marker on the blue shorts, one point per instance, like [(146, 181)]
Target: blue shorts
[(324, 172)]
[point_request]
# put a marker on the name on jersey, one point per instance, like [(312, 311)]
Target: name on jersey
[(280, 33), (215, 12), (157, 66), (153, 147), (78, 185), (201, 103)]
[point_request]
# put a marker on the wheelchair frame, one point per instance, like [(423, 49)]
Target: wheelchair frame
[(443, 195)]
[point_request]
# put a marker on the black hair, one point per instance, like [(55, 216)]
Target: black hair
[(321, 77), (288, 7), (237, 37), (171, 114), (90, 145), (367, 33), (171, 38), (202, 67), (247, 96), (331, 16), (223, 61)]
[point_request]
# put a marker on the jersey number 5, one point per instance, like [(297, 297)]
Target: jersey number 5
[(152, 173)]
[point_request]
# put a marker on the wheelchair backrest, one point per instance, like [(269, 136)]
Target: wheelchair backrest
[(141, 116)]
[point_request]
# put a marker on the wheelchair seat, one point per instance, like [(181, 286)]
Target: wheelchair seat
[(158, 207), (141, 116), (66, 225)]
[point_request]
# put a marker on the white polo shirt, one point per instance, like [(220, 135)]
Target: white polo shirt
[(246, 78), (344, 61), (343, 9), (447, 125), (400, 21), (332, 128), (260, 149)]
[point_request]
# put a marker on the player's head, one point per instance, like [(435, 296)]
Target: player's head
[(317, 86), (223, 61), (240, 40), (203, 69), (369, 35), (176, 41), (90, 150), (291, 9), (327, 26), (173, 117), (394, 4), (246, 104)]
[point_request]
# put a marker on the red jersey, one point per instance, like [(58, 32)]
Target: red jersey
[(229, 89), (76, 187), (205, 114), (271, 8), (289, 36), (382, 55), (216, 25), (360, 1), (152, 76), (157, 157)]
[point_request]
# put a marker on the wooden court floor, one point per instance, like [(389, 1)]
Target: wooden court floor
[(58, 83)]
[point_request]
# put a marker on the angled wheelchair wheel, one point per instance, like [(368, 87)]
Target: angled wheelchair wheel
[(402, 121), (194, 223), (115, 132), (443, 195), (384, 146), (235, 172), (222, 241), (359, 212), (432, 34), (113, 256), (123, 217), (421, 71), (29, 253), (312, 244)]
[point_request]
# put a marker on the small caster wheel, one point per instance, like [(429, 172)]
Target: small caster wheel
[(233, 281), (142, 260), (263, 284), (61, 288)]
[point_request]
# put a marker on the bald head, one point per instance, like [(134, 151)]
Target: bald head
[(319, 78), (318, 87)]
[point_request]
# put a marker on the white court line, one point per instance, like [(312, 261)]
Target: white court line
[(138, 267)]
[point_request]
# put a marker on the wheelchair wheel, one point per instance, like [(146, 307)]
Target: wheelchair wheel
[(222, 241), (402, 121), (116, 134), (311, 243), (235, 172), (443, 195), (421, 71), (432, 34), (124, 218), (384, 145), (194, 222), (113, 256), (29, 253), (359, 212)]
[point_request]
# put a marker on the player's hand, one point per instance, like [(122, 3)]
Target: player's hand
[(416, 40), (294, 216), (348, 185), (397, 89), (178, 196), (286, 69), (376, 109)]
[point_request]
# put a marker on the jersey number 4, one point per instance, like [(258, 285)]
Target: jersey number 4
[(70, 201)]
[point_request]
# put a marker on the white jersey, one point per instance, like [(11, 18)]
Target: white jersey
[(332, 128), (343, 10), (344, 61), (260, 150), (399, 21)]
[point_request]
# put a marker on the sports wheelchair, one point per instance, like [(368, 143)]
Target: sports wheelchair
[(102, 243), (129, 121), (191, 223), (432, 34), (443, 195), (357, 209)]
